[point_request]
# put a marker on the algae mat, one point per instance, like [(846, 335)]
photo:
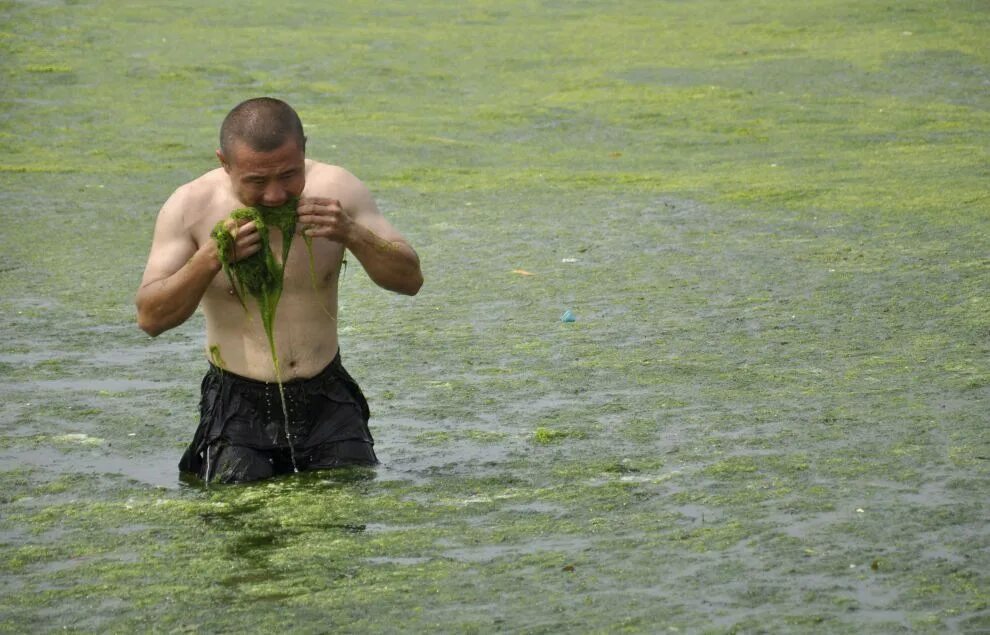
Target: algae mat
[(770, 415)]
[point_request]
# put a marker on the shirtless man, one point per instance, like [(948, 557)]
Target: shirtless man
[(243, 434)]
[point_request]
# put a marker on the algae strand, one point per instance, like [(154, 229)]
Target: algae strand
[(261, 276), (216, 358)]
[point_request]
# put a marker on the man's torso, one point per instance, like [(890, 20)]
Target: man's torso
[(305, 329)]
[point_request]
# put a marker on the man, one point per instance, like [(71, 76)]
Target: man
[(243, 434)]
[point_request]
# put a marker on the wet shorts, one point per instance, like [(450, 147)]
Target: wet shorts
[(242, 431)]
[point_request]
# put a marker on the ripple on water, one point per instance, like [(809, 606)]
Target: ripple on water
[(489, 553), (89, 384)]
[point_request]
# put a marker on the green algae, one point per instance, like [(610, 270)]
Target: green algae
[(545, 436), (260, 275), (216, 357), (764, 397)]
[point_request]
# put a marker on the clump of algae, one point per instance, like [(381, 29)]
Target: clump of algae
[(261, 276)]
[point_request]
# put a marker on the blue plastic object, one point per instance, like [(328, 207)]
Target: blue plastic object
[(567, 316)]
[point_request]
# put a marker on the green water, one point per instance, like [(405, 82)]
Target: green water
[(770, 220)]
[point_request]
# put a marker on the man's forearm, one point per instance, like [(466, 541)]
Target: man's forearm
[(167, 303), (391, 265)]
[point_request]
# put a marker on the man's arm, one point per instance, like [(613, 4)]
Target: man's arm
[(177, 273), (389, 259)]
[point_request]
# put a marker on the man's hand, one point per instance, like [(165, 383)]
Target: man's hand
[(325, 218), (247, 240)]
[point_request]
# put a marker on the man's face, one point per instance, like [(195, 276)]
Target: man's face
[(268, 179)]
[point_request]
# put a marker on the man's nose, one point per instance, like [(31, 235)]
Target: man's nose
[(274, 195)]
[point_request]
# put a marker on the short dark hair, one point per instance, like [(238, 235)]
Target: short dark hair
[(263, 123)]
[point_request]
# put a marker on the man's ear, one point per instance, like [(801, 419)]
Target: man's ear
[(223, 161)]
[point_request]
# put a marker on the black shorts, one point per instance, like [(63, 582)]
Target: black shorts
[(242, 430)]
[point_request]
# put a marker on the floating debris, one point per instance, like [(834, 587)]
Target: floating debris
[(78, 437)]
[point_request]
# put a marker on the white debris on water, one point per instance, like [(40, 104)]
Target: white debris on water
[(78, 437), (648, 478)]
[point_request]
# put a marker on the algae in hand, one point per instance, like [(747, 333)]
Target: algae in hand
[(259, 275)]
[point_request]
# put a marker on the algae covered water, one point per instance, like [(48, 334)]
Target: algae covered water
[(768, 221)]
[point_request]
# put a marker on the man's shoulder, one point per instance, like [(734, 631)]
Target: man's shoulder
[(325, 179), (202, 189), (320, 171), (199, 200), (201, 193)]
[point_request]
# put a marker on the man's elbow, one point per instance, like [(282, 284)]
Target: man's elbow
[(407, 286), (149, 326), (417, 285), (151, 330), (146, 320), (413, 285)]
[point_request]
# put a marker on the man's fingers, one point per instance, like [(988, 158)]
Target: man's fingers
[(316, 201), (318, 206), (243, 250), (238, 227), (312, 219)]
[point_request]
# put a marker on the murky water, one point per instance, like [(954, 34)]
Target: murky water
[(769, 414)]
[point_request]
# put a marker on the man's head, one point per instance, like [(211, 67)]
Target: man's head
[(263, 149)]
